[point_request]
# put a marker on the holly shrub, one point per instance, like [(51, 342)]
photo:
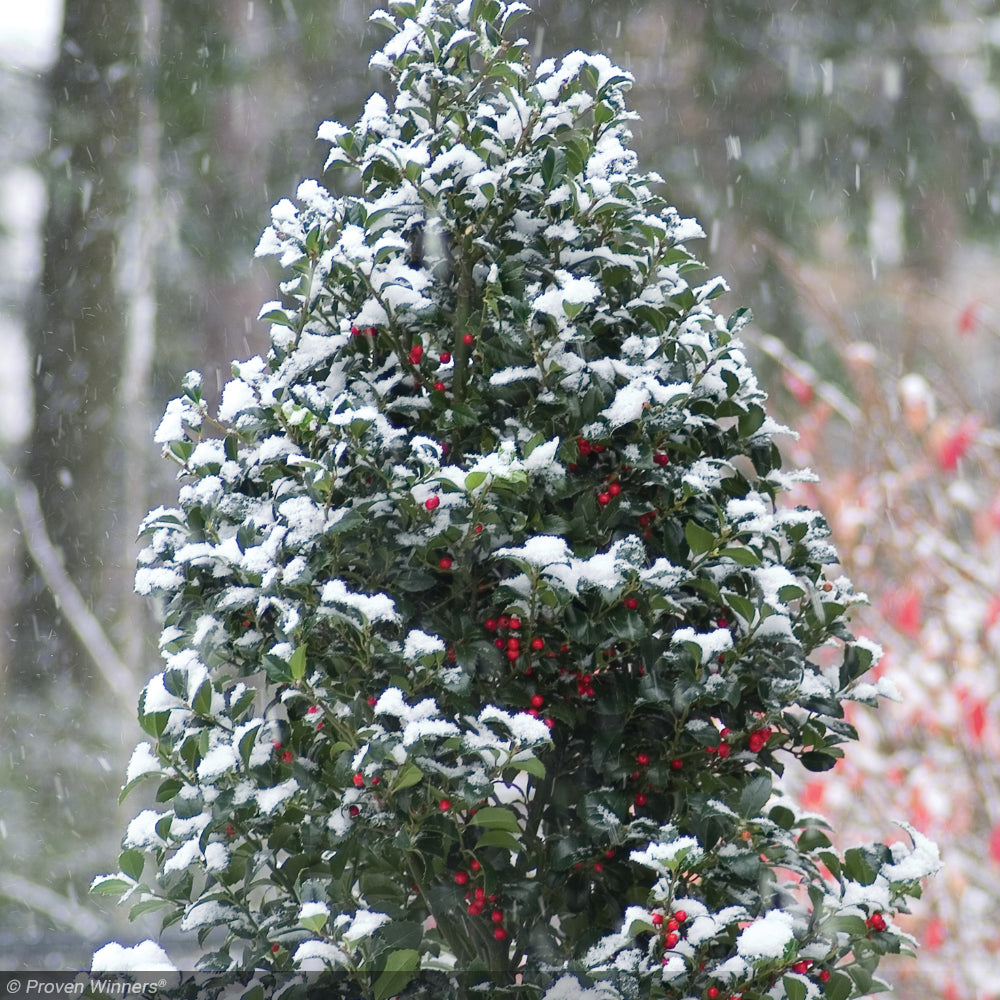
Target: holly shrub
[(486, 631)]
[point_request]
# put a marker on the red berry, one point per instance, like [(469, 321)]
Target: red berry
[(631, 603), (416, 353), (724, 750), (372, 701), (550, 723), (497, 916), (445, 805), (475, 866), (598, 867), (513, 654), (354, 811), (479, 529), (614, 489), (584, 445), (288, 756), (372, 331), (642, 758), (801, 967), (355, 332), (275, 948), (515, 623), (677, 763), (681, 915), (490, 624), (673, 924), (475, 909), (504, 621), (604, 499), (499, 643), (824, 975), (359, 780), (500, 934), (660, 458), (610, 853), (671, 939), (432, 503), (640, 799), (513, 642), (657, 919), (537, 701), (876, 922), (439, 386), (538, 643), (445, 357), (468, 339), (445, 562), (712, 992), (230, 830), (461, 878)]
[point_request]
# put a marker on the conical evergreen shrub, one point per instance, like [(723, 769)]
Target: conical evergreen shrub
[(486, 631)]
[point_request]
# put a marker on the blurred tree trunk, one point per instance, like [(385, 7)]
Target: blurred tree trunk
[(78, 333)]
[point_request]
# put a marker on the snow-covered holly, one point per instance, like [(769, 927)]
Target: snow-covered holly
[(546, 484)]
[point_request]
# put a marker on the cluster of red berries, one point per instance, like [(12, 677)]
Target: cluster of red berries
[(758, 738), (585, 447), (605, 497), (643, 759), (722, 749), (876, 922), (803, 965), (358, 332), (478, 902), (670, 927), (512, 643), (598, 866)]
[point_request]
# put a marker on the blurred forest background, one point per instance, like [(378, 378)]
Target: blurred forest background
[(844, 161)]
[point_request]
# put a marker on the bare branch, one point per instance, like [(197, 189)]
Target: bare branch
[(60, 909), (81, 619)]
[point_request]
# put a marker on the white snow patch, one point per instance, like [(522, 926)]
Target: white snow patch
[(711, 643), (364, 924), (146, 956), (143, 761), (270, 798), (375, 607), (419, 644), (314, 956), (766, 937)]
